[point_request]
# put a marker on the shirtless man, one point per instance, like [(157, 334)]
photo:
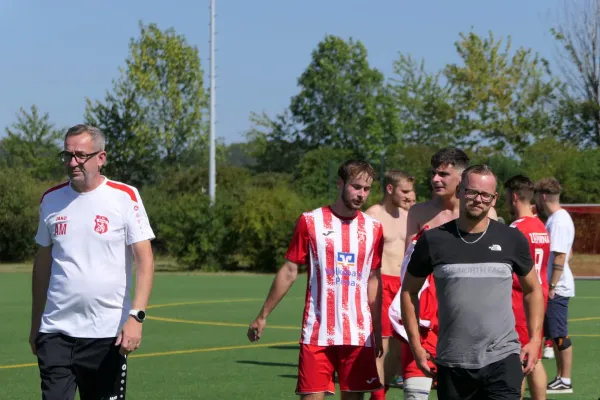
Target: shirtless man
[(409, 200), (396, 186), (447, 166)]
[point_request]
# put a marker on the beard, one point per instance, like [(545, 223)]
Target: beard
[(475, 214), (351, 205)]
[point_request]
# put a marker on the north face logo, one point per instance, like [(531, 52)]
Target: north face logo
[(495, 247)]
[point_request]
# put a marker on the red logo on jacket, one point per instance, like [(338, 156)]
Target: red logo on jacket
[(101, 224)]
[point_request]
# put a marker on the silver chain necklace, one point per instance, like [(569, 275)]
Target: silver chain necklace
[(476, 240)]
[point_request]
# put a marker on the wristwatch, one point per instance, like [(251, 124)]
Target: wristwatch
[(139, 315), (552, 286)]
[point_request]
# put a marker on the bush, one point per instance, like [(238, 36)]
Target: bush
[(188, 228), (20, 196), (264, 223)]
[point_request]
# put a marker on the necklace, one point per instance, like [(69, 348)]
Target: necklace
[(476, 240)]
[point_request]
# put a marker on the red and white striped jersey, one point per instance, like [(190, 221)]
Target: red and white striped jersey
[(340, 254)]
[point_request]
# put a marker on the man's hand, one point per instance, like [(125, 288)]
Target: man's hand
[(530, 356), (255, 329), (130, 337), (32, 336), (551, 293), (422, 358), (378, 343)]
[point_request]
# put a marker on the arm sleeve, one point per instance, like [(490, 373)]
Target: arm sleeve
[(42, 236), (378, 249), (523, 263), (559, 238), (420, 260), (136, 221), (298, 249)]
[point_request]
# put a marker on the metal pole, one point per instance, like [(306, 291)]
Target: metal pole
[(212, 173)]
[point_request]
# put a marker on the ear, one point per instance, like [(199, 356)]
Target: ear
[(514, 197), (495, 198), (101, 159), (340, 183), (389, 188)]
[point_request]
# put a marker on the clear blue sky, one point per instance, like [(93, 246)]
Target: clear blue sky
[(55, 53)]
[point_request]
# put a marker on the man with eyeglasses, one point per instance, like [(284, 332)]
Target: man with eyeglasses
[(472, 260), (83, 323), (447, 166)]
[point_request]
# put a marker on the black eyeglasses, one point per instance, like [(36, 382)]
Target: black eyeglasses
[(472, 195), (67, 156)]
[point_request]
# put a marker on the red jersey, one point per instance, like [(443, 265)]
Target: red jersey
[(340, 254), (539, 246)]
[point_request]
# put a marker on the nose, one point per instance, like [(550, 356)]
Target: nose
[(73, 162)]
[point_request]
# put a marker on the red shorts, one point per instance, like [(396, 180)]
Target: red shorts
[(409, 365), (390, 287), (355, 367)]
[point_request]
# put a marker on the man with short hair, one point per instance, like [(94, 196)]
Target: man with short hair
[(519, 193), (83, 323), (472, 259), (396, 187), (410, 200), (447, 166), (560, 280), (341, 331)]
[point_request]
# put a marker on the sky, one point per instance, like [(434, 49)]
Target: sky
[(57, 53)]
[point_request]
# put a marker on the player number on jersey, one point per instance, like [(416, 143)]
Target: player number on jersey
[(539, 258)]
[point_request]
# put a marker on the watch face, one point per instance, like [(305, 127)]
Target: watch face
[(141, 315)]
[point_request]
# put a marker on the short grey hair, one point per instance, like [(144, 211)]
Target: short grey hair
[(96, 134)]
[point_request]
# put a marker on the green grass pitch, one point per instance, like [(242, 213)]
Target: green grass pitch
[(195, 346)]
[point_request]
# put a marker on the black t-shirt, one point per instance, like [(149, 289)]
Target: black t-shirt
[(474, 289)]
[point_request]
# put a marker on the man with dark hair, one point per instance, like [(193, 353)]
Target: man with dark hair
[(397, 185), (472, 259), (83, 322), (341, 331), (560, 280), (519, 192)]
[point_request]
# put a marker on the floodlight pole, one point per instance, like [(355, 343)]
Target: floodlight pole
[(212, 173)]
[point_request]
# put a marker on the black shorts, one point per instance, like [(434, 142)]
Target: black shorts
[(94, 366), (557, 315), (499, 381)]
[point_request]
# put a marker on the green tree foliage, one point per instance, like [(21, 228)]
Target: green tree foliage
[(32, 144), (316, 173), (270, 145), (503, 99), (264, 223), (578, 35), (132, 157), (425, 105), (343, 101), (19, 204), (155, 111)]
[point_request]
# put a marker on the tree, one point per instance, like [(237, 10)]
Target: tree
[(579, 37), (132, 155), (343, 102), (155, 110), (504, 100), (32, 144), (425, 105)]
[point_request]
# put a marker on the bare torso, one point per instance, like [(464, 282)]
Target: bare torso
[(394, 236)]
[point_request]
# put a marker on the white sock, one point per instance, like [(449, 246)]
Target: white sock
[(566, 381)]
